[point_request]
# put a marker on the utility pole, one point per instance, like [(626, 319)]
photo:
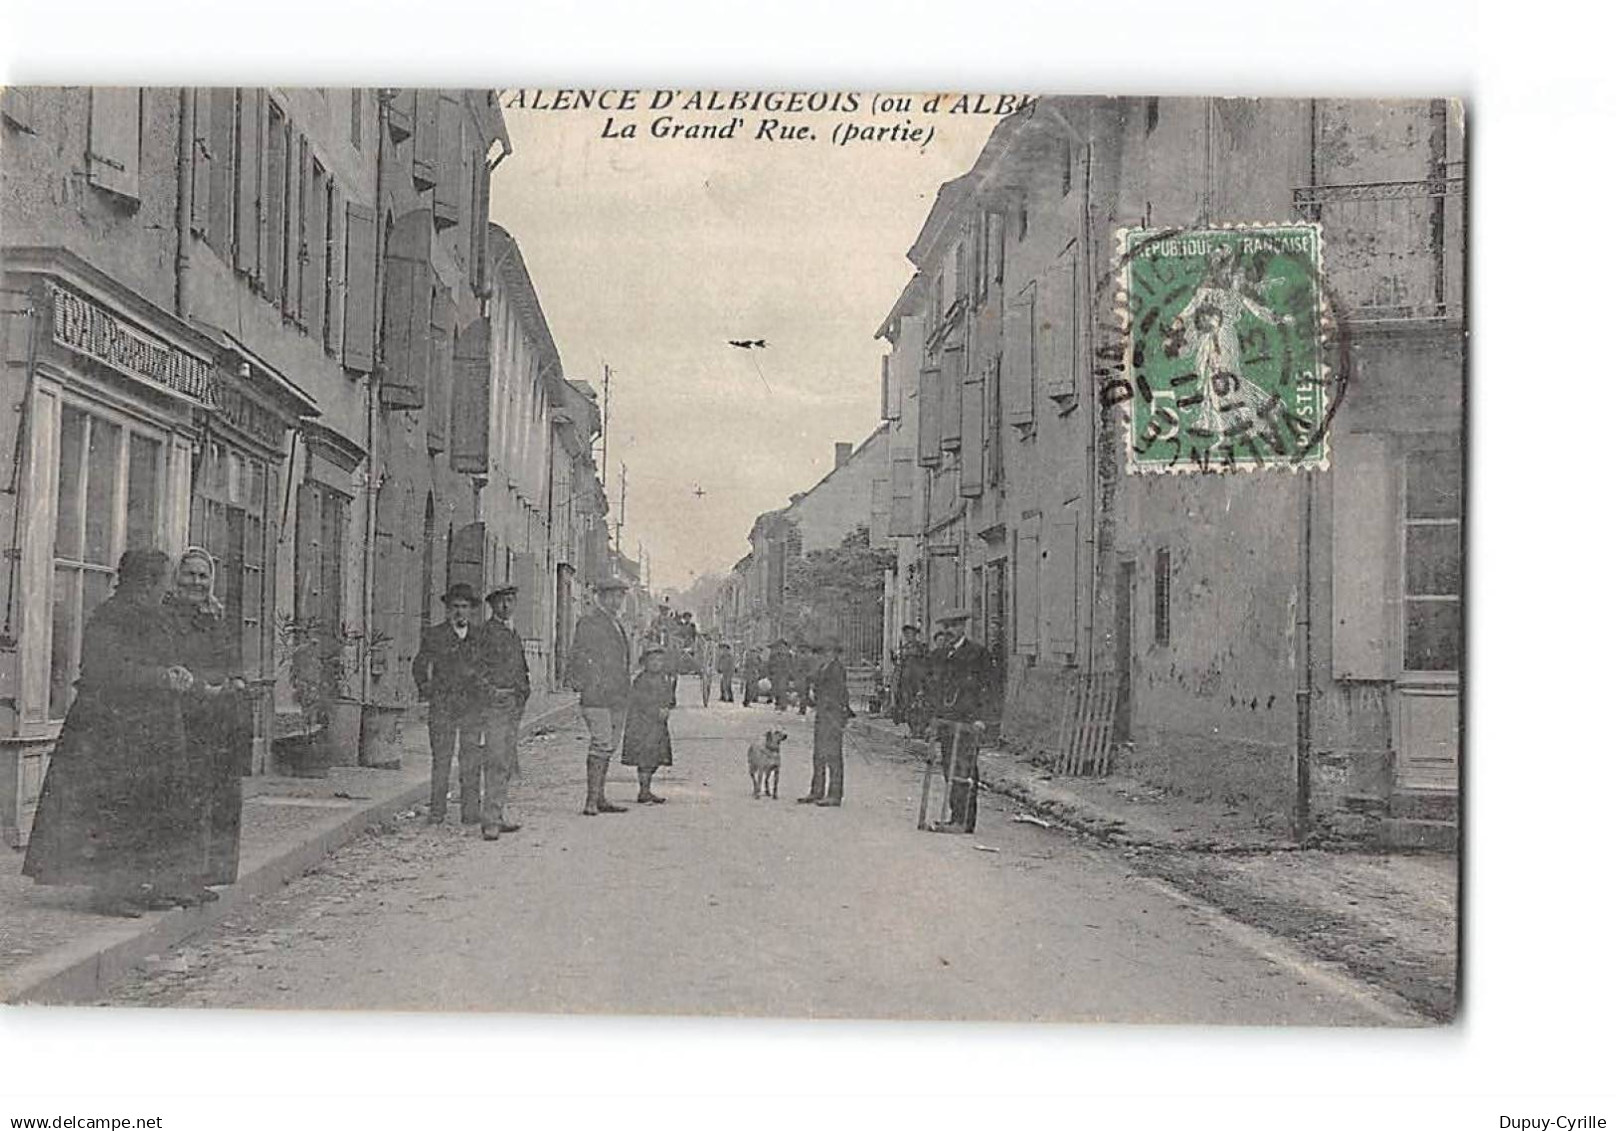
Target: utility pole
[(605, 413)]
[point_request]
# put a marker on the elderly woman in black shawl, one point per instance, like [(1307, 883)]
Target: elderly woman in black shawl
[(218, 727), (647, 745), (115, 809)]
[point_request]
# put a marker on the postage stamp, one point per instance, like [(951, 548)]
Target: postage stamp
[(1225, 348)]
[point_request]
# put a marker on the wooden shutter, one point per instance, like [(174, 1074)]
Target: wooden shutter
[(248, 176), (1025, 592), (359, 305), (424, 145), (1059, 581), (953, 391), (995, 238), (1365, 591), (904, 522), (306, 566), (335, 271), (114, 153), (297, 171), (467, 546), (407, 313), (274, 212), (931, 414), (973, 417), (468, 446), (202, 156), (1057, 326), (450, 163), (1016, 370), (222, 173), (440, 381), (891, 392), (314, 266), (525, 616)]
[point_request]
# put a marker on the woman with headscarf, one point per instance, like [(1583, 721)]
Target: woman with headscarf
[(114, 812), (647, 745), (218, 728)]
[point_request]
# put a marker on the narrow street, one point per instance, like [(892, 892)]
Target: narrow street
[(716, 903)]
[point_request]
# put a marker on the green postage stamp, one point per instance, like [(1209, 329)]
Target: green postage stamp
[(1225, 348)]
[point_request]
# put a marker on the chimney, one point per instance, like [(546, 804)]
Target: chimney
[(844, 452)]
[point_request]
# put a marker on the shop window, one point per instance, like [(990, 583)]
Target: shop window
[(1432, 557), (230, 503), (109, 482), (1164, 598)]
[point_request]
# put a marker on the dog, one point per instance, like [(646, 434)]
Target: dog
[(763, 760)]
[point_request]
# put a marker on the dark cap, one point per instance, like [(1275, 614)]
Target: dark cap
[(460, 591), (611, 581), (502, 591)]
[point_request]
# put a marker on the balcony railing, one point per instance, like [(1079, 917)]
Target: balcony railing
[(1393, 250)]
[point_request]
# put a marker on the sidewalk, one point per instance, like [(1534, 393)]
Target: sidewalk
[(53, 950), (1390, 919)]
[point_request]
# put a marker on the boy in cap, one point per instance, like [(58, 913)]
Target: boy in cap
[(448, 674), (505, 668)]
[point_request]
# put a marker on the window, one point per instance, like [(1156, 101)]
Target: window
[(322, 532), (229, 501), (114, 151), (994, 425), (332, 258), (356, 118), (109, 484), (275, 204), (1164, 598), (1432, 556)]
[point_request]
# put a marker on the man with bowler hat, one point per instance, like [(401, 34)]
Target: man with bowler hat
[(448, 673), (831, 712), (505, 668), (598, 671)]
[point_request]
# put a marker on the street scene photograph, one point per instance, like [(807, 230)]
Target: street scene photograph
[(741, 553)]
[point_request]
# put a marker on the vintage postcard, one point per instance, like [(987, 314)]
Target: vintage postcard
[(765, 553)]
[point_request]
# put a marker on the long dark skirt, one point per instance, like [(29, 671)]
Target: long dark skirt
[(218, 735), (117, 809), (647, 744)]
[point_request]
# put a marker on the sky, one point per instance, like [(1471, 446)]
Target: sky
[(650, 253)]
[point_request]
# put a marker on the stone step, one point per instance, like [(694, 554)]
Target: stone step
[(1407, 832), (1425, 805)]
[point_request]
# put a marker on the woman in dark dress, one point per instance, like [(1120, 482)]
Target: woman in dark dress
[(218, 728), (114, 812), (647, 746)]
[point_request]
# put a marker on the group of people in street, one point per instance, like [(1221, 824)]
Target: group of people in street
[(142, 798), (944, 694), (474, 677)]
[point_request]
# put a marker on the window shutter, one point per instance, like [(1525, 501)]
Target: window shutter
[(359, 305), (222, 169), (335, 272), (1059, 596), (931, 414), (1365, 591), (466, 551), (446, 194), (525, 616), (202, 153), (972, 413), (297, 172), (406, 312), (248, 175), (1026, 587), (891, 399), (424, 145), (114, 155), (306, 566), (479, 225), (1016, 370), (469, 433), (996, 246), (953, 393), (314, 266), (903, 523), (1057, 327), (440, 382), (274, 213)]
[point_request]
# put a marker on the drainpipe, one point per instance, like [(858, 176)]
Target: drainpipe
[(182, 205), (1301, 818), (372, 430)]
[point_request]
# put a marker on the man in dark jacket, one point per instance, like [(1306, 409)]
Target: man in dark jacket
[(780, 671), (831, 713), (598, 671), (448, 674), (964, 671), (725, 662), (505, 668)]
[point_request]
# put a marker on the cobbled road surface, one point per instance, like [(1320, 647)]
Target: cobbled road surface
[(715, 903)]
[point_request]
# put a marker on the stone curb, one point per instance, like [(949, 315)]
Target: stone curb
[(84, 969)]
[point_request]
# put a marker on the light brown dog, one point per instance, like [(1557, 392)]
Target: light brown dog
[(763, 760)]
